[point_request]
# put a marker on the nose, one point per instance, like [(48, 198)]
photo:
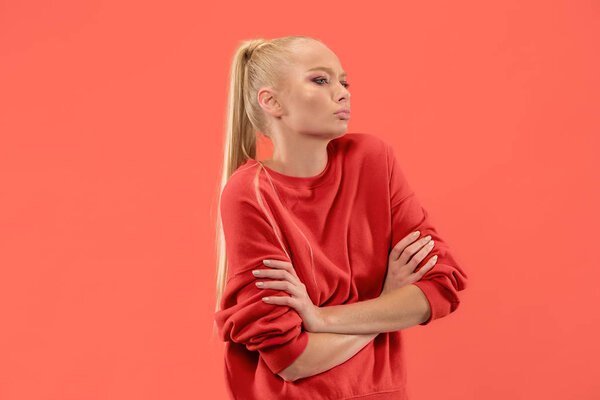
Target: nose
[(344, 94)]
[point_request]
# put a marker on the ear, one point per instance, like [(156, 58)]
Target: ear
[(268, 101)]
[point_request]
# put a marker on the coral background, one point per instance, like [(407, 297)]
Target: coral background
[(112, 118)]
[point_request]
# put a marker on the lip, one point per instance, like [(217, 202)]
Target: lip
[(343, 114), (341, 110)]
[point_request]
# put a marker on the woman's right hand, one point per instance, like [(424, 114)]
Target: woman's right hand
[(404, 259)]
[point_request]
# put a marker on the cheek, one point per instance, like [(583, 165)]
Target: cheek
[(309, 100), (314, 100)]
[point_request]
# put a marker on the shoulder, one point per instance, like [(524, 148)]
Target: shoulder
[(238, 192)]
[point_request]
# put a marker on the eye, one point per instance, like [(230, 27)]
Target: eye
[(346, 84)]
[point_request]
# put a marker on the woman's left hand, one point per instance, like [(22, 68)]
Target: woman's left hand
[(286, 279)]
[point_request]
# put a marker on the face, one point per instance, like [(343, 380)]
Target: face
[(314, 88)]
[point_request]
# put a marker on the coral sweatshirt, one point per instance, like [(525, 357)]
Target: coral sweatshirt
[(337, 229)]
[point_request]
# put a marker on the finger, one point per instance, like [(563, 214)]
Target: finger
[(279, 285), (279, 274), (427, 267), (412, 249), (279, 300), (421, 254), (285, 265), (405, 241)]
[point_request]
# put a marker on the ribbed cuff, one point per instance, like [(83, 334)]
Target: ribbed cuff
[(439, 304), (281, 356)]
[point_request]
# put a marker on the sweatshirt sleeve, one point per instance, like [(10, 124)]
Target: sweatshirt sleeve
[(442, 283), (275, 331)]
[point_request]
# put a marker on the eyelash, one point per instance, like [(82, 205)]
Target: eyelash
[(346, 84)]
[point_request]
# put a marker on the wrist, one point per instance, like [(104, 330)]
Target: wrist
[(322, 320)]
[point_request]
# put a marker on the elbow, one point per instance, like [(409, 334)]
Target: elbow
[(287, 374), (427, 314), (286, 378), (292, 372), (299, 366)]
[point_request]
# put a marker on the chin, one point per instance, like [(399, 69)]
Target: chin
[(340, 132)]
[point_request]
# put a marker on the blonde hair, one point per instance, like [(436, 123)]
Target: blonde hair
[(256, 63)]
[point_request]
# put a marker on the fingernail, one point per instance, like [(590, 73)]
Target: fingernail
[(267, 262), (256, 272), (416, 233), (259, 283)]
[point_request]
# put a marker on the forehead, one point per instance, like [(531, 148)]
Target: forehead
[(311, 57)]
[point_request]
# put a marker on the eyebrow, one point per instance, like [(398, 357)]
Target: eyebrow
[(326, 69)]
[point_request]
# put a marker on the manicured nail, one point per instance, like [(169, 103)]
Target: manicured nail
[(267, 262), (256, 272)]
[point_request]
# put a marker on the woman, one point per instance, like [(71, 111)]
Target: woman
[(324, 319)]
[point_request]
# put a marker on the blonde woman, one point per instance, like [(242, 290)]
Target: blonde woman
[(325, 253)]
